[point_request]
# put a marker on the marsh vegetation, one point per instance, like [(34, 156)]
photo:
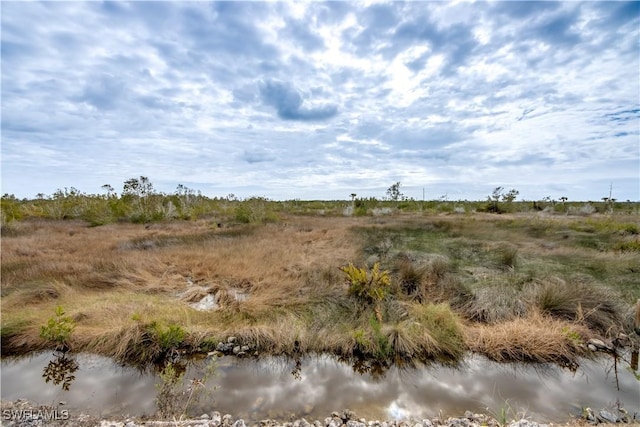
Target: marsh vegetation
[(404, 285)]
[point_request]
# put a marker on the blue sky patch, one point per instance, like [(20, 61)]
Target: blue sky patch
[(318, 100)]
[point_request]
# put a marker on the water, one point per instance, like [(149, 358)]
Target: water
[(277, 388)]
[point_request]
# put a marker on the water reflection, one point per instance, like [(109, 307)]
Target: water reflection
[(60, 370), (314, 386)]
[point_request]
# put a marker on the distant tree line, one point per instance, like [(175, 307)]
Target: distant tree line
[(140, 202)]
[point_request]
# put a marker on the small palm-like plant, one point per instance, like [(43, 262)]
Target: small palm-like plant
[(371, 287)]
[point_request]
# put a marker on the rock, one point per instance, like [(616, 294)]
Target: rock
[(606, 416), (458, 422), (227, 420), (245, 348), (592, 347), (588, 415), (216, 418), (599, 345), (236, 349), (304, 423), (204, 417), (239, 423), (231, 340), (221, 347), (317, 423), (427, 423), (347, 415), (524, 423)]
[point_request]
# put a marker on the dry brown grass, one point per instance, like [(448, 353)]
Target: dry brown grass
[(535, 338), (117, 281), (104, 275)]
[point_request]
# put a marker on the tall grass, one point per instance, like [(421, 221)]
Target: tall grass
[(594, 306), (532, 339), (456, 283)]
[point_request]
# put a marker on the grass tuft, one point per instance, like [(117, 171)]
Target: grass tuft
[(577, 301), (495, 302), (531, 339), (439, 331), (507, 256)]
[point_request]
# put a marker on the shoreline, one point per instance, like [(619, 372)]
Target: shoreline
[(22, 413)]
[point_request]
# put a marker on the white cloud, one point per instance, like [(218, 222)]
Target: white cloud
[(457, 97)]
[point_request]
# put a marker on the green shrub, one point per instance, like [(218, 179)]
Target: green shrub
[(58, 329), (9, 209), (383, 348), (370, 287), (255, 210), (170, 337)]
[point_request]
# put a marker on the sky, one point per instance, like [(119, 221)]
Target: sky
[(319, 100)]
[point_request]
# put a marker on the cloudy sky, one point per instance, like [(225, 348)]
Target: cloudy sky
[(320, 100)]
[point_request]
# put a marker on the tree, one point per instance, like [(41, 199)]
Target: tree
[(137, 193), (497, 195), (510, 196), (110, 191), (137, 187), (394, 193), (493, 200)]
